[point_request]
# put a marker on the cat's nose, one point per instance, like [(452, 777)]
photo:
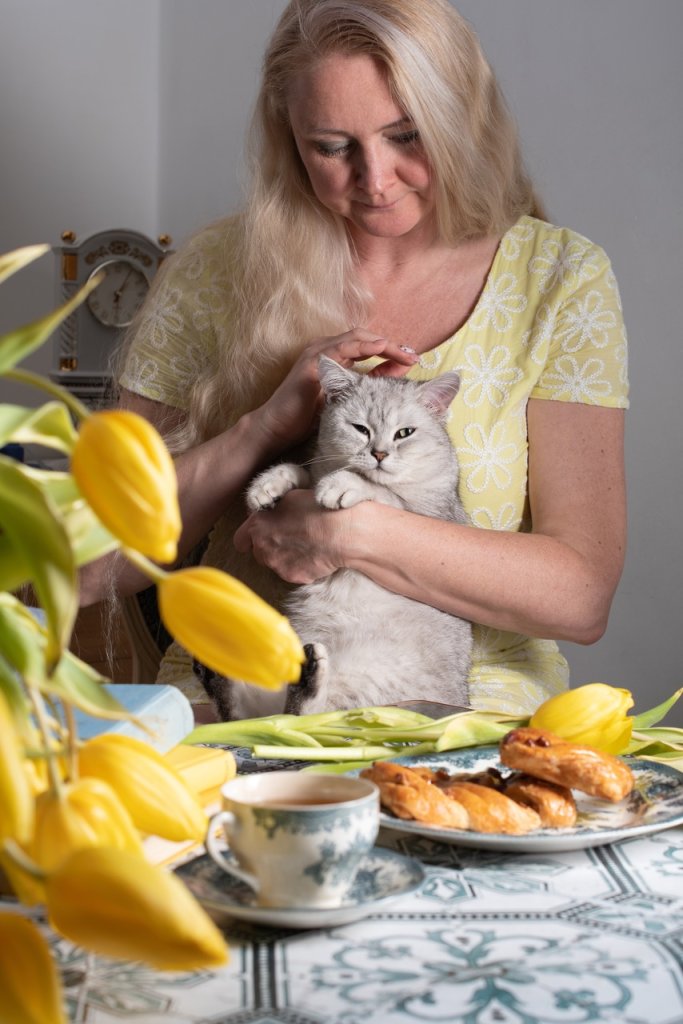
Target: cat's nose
[(379, 455)]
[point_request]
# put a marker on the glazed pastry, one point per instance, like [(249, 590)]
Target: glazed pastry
[(554, 804), (408, 795), (491, 811), (552, 759)]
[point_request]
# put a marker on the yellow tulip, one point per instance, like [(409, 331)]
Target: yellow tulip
[(82, 814), (30, 989), (16, 793), (228, 628), (117, 904), (126, 474), (27, 888), (594, 715), (158, 800)]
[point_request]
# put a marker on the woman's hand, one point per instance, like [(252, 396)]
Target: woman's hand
[(291, 412), (297, 539)]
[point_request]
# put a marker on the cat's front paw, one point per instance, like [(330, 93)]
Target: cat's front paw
[(341, 489), (268, 487)]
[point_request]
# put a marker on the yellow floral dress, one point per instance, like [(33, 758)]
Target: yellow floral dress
[(548, 325)]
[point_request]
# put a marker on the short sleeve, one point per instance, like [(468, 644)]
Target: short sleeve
[(175, 339), (587, 359)]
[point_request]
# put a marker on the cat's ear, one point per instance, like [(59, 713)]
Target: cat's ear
[(334, 379), (436, 395)]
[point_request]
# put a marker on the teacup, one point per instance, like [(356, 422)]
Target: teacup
[(298, 837)]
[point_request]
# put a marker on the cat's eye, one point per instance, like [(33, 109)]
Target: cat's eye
[(403, 432), (361, 428)]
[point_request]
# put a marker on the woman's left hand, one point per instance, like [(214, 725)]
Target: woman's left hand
[(297, 539)]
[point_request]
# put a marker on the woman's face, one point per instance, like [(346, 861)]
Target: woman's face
[(362, 154)]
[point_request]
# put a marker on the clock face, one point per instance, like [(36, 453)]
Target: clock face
[(119, 296)]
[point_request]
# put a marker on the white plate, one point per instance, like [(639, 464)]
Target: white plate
[(656, 803), (383, 876)]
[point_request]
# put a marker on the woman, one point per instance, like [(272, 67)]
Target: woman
[(390, 217)]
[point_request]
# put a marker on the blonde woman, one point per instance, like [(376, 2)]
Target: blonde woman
[(391, 219)]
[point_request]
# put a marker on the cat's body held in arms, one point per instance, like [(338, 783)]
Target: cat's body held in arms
[(380, 439)]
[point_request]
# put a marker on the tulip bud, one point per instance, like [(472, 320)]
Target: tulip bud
[(30, 990), (126, 474), (228, 628), (82, 814), (158, 800), (117, 904), (27, 888), (593, 715), (16, 794)]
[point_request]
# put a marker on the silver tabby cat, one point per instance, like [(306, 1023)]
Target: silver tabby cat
[(380, 439)]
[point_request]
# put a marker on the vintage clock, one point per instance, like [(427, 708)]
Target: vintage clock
[(85, 342)]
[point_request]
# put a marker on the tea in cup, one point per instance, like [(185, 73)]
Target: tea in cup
[(298, 838)]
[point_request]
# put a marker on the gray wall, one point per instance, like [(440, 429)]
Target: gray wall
[(131, 113)]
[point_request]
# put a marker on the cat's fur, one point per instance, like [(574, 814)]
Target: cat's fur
[(380, 439)]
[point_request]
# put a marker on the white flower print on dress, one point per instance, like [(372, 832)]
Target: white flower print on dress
[(485, 458), (505, 519), (541, 333), (586, 321), (186, 366), (143, 374), (621, 354), (163, 319), (210, 306), (430, 360), (512, 242), (499, 302), (577, 382), (614, 287), (559, 264), (489, 375)]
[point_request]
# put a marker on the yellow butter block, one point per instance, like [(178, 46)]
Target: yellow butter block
[(204, 769)]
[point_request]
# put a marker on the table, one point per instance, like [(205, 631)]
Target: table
[(489, 938)]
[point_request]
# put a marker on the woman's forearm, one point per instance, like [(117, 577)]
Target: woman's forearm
[(529, 583)]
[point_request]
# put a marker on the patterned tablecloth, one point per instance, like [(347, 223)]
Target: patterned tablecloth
[(489, 938)]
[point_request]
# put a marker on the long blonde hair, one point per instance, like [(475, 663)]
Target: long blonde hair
[(293, 275)]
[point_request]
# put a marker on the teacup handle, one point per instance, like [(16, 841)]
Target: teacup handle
[(217, 855)]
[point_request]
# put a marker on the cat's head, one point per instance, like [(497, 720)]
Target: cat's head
[(385, 427)]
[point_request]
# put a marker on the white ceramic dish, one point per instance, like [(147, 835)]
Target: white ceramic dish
[(383, 876), (656, 803)]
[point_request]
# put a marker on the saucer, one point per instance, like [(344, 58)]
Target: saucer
[(382, 877)]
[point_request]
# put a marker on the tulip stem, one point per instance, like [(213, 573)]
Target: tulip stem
[(21, 859), (50, 757), (72, 741), (149, 568), (35, 380)]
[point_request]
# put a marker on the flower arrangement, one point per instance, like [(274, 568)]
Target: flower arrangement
[(71, 813)]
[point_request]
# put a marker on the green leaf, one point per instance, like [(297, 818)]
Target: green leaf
[(50, 425), (654, 715), (665, 734), (79, 684), (22, 641), (475, 730), (10, 262), (17, 344), (32, 525), (14, 569), (88, 537), (11, 688)]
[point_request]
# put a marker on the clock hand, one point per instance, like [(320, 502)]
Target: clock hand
[(119, 290)]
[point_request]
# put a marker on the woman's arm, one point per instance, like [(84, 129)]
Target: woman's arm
[(214, 472), (556, 582)]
